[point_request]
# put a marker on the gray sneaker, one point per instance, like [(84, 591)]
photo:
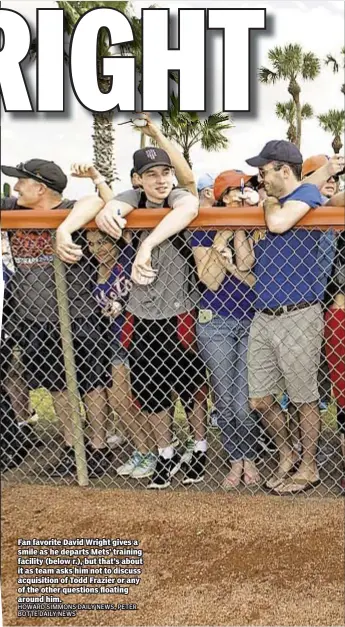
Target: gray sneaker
[(127, 468), (146, 467)]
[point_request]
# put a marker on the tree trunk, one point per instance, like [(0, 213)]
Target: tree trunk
[(103, 145), (337, 144), (187, 157), (142, 140), (291, 134), (295, 90)]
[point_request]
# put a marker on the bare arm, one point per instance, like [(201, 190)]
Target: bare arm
[(83, 212), (338, 200), (183, 212), (214, 263), (280, 219), (183, 171), (321, 176), (244, 251), (210, 269), (88, 171)]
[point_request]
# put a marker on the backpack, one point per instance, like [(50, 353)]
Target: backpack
[(181, 245)]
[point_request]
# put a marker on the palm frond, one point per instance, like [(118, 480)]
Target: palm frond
[(307, 111), (311, 66), (267, 76)]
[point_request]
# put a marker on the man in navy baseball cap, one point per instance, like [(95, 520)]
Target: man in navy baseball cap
[(277, 150)]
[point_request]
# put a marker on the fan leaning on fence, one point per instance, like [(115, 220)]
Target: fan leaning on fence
[(34, 323), (160, 302), (287, 330)]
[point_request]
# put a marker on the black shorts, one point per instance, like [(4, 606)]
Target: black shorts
[(161, 362), (42, 355)]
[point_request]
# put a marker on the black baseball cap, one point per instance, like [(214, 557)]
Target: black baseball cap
[(46, 172), (150, 157), (277, 150)]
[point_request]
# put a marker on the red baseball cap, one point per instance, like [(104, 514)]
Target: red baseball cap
[(229, 178)]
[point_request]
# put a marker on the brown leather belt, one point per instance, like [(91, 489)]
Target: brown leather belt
[(286, 309)]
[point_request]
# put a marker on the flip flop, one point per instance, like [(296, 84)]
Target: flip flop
[(305, 487), (281, 479)]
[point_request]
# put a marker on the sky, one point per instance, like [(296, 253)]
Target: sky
[(317, 25)]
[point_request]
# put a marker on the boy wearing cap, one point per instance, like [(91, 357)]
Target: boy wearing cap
[(35, 323), (286, 333), (160, 300)]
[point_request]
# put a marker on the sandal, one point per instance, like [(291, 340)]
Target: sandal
[(297, 486)]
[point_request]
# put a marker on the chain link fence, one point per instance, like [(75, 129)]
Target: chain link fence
[(101, 383)]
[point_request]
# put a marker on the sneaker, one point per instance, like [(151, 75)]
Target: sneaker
[(65, 466), (98, 462), (284, 403), (195, 472), (188, 454), (146, 467), (127, 468), (162, 475)]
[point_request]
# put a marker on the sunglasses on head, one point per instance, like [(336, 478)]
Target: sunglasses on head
[(34, 175)]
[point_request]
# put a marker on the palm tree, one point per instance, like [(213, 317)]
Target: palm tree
[(291, 63), (287, 111), (103, 127), (186, 129), (334, 122), (336, 66)]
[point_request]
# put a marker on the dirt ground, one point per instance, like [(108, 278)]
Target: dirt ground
[(209, 559)]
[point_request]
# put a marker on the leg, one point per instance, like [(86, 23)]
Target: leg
[(247, 427), (216, 341), (299, 355), (62, 409), (96, 407), (265, 381), (132, 423)]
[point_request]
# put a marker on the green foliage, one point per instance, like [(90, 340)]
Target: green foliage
[(187, 129)]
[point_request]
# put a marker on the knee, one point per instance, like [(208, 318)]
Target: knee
[(261, 404)]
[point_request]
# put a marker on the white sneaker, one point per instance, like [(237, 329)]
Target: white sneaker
[(127, 468), (146, 467)]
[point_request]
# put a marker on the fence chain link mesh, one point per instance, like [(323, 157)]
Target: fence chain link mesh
[(180, 382)]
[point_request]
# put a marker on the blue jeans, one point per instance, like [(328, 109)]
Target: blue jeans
[(223, 344)]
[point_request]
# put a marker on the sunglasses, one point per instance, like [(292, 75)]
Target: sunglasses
[(35, 175)]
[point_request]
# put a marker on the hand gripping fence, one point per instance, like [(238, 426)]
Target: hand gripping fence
[(190, 383)]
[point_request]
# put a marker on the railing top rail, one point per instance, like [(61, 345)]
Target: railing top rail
[(220, 217)]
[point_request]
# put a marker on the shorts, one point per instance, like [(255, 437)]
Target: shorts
[(42, 355), (284, 354), (162, 361)]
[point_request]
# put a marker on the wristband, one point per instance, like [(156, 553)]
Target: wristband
[(99, 180)]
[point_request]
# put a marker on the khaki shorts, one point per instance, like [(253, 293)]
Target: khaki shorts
[(284, 354)]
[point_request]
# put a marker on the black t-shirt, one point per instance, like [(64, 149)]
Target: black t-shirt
[(33, 284)]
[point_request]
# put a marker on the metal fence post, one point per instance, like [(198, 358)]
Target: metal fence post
[(71, 373)]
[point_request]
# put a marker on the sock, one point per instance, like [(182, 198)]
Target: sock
[(200, 445), (166, 452)]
